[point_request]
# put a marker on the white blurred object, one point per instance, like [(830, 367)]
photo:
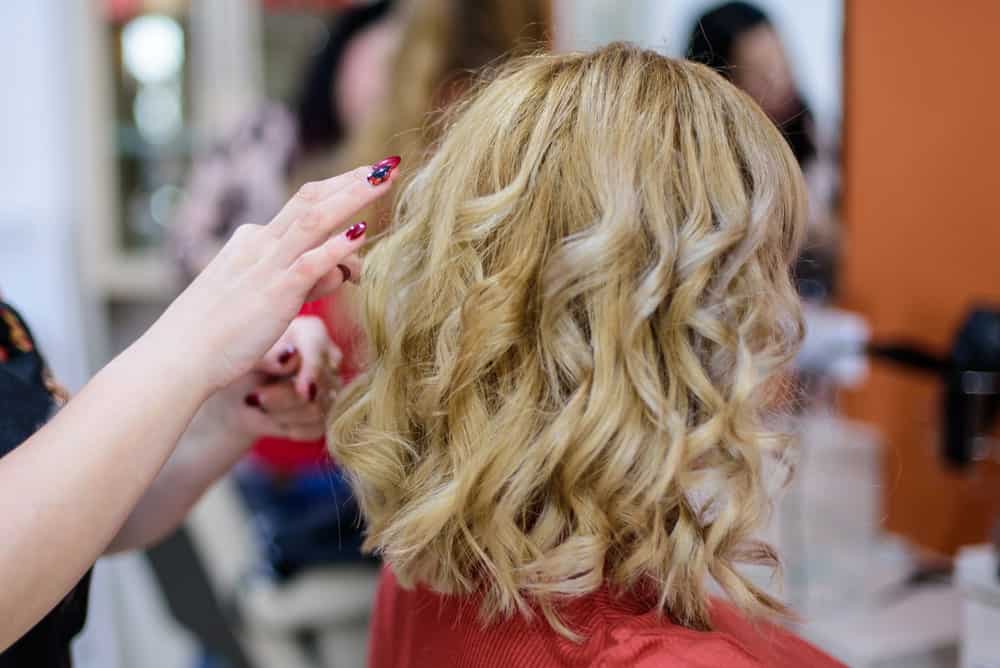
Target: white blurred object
[(332, 604), (825, 524), (977, 579), (41, 177), (834, 345), (225, 35), (128, 622), (153, 48), (846, 577), (828, 520), (918, 631)]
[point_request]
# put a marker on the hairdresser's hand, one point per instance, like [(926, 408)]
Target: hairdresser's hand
[(241, 303), (293, 384)]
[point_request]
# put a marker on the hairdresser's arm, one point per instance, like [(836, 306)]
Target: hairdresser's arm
[(291, 390), (205, 452), (66, 491)]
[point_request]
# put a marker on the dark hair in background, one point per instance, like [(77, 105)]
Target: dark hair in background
[(711, 43), (319, 125)]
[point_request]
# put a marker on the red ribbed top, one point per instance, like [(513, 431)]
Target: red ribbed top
[(421, 629)]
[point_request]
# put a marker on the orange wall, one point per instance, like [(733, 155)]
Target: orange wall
[(922, 231)]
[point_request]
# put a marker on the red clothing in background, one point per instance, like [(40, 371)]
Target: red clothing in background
[(284, 456), (419, 629)]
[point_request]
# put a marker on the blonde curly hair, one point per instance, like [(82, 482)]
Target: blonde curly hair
[(577, 324)]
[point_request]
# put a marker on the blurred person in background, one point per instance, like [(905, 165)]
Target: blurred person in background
[(105, 473), (738, 40), (444, 43), (302, 509), (577, 339), (246, 176)]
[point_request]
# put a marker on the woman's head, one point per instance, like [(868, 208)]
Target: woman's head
[(577, 323), (739, 41)]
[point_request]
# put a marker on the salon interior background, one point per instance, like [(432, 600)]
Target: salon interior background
[(901, 86)]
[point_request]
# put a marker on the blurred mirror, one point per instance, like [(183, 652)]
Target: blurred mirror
[(786, 54)]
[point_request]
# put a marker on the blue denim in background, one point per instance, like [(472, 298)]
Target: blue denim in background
[(304, 520)]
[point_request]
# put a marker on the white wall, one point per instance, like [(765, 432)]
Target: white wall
[(39, 191)]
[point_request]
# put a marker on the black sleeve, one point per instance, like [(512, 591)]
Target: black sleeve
[(25, 401)]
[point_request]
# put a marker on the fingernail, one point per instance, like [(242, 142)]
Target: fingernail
[(345, 271), (312, 391), (381, 170), (356, 230), (252, 400), (286, 355)]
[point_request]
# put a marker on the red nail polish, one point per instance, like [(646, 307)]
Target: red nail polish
[(286, 355), (312, 391), (345, 271), (356, 230), (381, 170), (252, 400)]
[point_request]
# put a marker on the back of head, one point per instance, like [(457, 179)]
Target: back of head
[(576, 324)]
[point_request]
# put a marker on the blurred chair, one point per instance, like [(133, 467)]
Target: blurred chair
[(318, 619)]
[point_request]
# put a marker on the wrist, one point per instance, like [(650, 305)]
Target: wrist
[(158, 355), (218, 422)]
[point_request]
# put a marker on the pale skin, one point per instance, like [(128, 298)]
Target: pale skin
[(70, 489), (225, 427)]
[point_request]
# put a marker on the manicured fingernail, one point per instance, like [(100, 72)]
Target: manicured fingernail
[(345, 271), (381, 170), (312, 391), (356, 230), (252, 400), (287, 354)]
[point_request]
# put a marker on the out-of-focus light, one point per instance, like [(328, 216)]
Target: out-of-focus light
[(157, 111), (163, 202), (153, 48)]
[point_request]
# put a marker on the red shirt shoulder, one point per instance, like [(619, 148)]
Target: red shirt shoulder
[(421, 628), (655, 649)]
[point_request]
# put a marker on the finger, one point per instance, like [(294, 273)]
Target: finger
[(255, 421), (347, 271), (276, 397), (306, 424), (310, 415), (283, 359), (318, 263), (308, 379), (308, 196), (314, 227)]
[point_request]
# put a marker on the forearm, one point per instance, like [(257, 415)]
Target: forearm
[(205, 453), (66, 491)]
